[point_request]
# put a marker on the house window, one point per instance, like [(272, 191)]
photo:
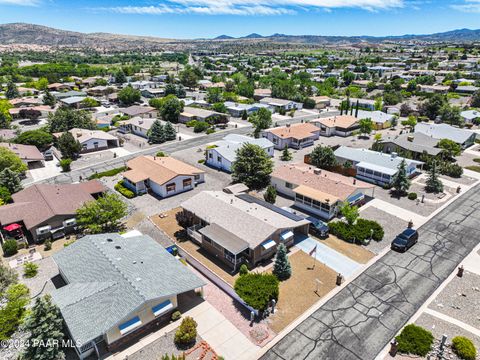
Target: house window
[(197, 177), (95, 145), (130, 325), (171, 187), (288, 185), (275, 141), (187, 183), (219, 159), (210, 156)]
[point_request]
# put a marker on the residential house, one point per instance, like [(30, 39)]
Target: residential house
[(118, 288), (142, 111), (136, 125), (259, 94), (240, 228), (281, 104), (93, 140), (466, 89), (317, 191), (379, 119), (373, 166), (238, 109), (321, 102), (67, 94), (297, 136), (73, 101), (45, 211), (163, 176), (223, 153), (153, 92), (470, 116), (364, 103), (212, 117), (465, 138), (414, 144), (29, 154), (342, 125), (25, 102)]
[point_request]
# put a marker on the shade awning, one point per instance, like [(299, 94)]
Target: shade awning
[(162, 308), (12, 227), (130, 325), (268, 244), (224, 238), (286, 234)]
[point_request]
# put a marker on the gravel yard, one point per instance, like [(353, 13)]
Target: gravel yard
[(41, 283), (461, 299), (392, 226)]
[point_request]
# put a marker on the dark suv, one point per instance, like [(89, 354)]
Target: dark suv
[(405, 240)]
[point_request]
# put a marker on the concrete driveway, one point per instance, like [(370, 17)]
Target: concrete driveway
[(326, 255), (361, 319)]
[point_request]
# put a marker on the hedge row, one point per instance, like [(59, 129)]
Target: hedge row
[(360, 231), (111, 172), (129, 194), (257, 290)]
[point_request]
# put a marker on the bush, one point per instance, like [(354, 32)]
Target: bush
[(360, 231), (209, 131), (473, 168), (257, 290), (452, 170), (176, 315), (9, 247), (111, 172), (415, 340), (412, 196), (201, 161), (243, 270), (464, 348), (48, 245), (129, 194), (191, 123), (30, 269), (161, 154), (68, 243), (200, 126), (65, 164), (187, 332)]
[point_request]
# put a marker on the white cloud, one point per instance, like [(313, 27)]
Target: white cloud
[(253, 7), (469, 6), (21, 2)]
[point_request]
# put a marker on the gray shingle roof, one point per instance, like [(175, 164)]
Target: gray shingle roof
[(444, 131), (109, 276), (417, 142), (231, 143)]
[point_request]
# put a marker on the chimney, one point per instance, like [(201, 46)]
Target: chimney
[(394, 155), (410, 138)]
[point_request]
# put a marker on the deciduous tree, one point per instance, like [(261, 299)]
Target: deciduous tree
[(252, 166)]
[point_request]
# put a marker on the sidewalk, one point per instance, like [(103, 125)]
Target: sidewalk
[(213, 327)]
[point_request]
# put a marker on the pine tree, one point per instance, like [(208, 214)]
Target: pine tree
[(433, 183), (282, 269), (244, 115), (270, 194), (68, 146), (49, 99), (401, 182), (10, 180), (45, 324), (12, 91), (286, 155), (169, 131), (156, 134)]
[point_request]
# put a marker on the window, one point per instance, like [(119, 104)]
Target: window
[(171, 187), (95, 145), (368, 171), (219, 159), (197, 177), (187, 183), (288, 185), (130, 325), (210, 155), (275, 140)]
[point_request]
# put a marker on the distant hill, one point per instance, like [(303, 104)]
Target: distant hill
[(224, 37), (21, 33)]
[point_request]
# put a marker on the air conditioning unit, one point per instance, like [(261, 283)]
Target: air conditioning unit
[(70, 222), (44, 230)]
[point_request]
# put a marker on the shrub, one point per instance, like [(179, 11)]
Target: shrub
[(201, 161), (187, 332), (243, 270), (111, 172), (68, 243), (9, 247), (473, 168), (412, 196), (257, 290), (48, 245), (191, 123), (200, 126), (30, 269), (129, 194), (176, 315), (464, 348), (209, 131), (452, 170), (161, 154), (360, 231), (415, 340), (65, 164)]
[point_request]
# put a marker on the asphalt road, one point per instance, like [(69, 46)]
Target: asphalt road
[(360, 320)]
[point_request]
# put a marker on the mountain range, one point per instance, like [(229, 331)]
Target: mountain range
[(21, 33)]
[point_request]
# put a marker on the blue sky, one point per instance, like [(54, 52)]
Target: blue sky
[(210, 18)]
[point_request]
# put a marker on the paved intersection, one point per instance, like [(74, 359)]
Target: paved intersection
[(362, 318)]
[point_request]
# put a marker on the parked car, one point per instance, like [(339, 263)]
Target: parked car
[(318, 227), (48, 155), (405, 240)]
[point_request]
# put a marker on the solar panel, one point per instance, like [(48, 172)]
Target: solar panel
[(252, 199)]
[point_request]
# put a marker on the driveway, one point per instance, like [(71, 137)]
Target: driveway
[(360, 320), (331, 258)]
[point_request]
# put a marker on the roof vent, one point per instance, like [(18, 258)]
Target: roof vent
[(110, 240), (118, 247), (138, 279), (134, 261)]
